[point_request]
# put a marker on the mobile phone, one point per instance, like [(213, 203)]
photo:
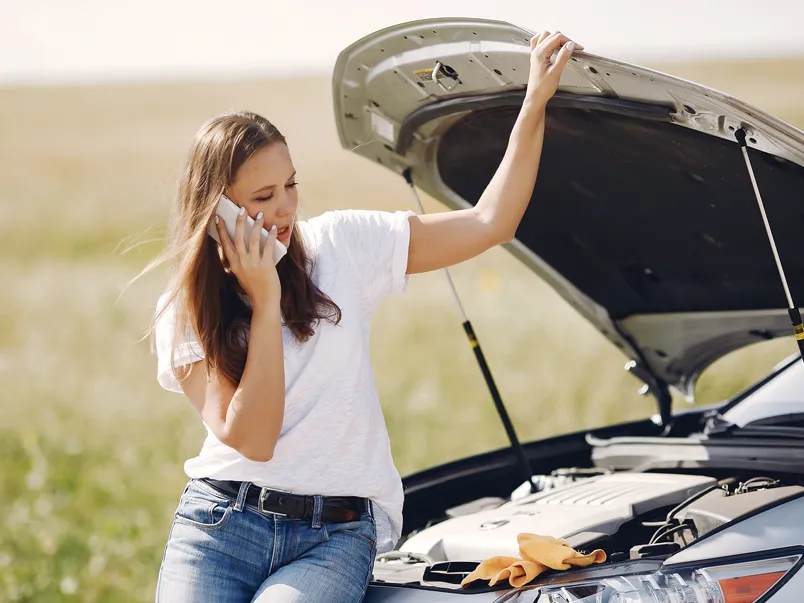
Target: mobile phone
[(228, 212)]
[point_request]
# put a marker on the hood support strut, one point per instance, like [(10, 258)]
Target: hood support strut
[(516, 446), (792, 309)]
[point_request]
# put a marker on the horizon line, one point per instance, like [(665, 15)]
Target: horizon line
[(185, 75)]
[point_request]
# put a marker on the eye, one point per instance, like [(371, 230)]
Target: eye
[(292, 185), (263, 199)]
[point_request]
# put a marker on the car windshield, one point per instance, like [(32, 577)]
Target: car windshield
[(781, 396)]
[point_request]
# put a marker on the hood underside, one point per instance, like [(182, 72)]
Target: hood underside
[(643, 216)]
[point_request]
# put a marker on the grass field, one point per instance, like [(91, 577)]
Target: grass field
[(91, 449)]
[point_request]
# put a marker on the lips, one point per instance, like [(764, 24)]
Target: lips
[(283, 233)]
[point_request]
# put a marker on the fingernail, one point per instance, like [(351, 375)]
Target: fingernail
[(273, 228), (570, 45), (242, 210), (259, 215), (217, 219)]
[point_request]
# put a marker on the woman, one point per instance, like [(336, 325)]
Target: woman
[(294, 490)]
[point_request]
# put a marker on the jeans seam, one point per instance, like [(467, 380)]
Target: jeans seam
[(162, 564), (370, 573), (373, 550), (273, 552), (295, 540)]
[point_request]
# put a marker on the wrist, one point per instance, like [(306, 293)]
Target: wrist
[(533, 109), (529, 122), (268, 309)]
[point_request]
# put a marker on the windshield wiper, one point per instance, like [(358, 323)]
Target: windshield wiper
[(788, 432)]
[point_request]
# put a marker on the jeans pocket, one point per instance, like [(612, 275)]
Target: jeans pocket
[(364, 528), (204, 513)]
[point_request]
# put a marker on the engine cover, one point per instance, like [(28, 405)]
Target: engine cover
[(596, 505)]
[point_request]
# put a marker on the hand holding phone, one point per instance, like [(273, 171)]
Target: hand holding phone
[(228, 212)]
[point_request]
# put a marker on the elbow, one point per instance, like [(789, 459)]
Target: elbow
[(497, 231), (260, 451), (502, 234), (506, 235), (259, 457)]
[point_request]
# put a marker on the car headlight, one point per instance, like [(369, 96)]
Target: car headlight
[(744, 582)]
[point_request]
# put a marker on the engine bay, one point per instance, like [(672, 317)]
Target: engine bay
[(628, 514)]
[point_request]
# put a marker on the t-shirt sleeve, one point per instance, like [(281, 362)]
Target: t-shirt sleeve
[(187, 351), (376, 243)]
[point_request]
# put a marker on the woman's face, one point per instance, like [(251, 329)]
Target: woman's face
[(266, 183)]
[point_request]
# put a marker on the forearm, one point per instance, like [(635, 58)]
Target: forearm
[(503, 203), (447, 238), (255, 414)]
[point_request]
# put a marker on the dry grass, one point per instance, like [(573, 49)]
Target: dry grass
[(91, 446)]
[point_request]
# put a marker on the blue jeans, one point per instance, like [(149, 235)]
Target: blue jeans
[(223, 550)]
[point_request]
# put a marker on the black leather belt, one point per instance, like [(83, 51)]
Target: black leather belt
[(335, 509)]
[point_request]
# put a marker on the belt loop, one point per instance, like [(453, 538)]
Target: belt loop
[(318, 505), (241, 496), (371, 507)]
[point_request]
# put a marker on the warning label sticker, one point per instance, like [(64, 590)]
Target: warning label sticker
[(426, 75)]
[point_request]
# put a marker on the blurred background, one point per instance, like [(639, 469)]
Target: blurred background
[(98, 103)]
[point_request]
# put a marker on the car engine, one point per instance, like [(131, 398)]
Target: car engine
[(583, 513), (628, 514)]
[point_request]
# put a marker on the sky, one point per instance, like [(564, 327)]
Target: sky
[(61, 41)]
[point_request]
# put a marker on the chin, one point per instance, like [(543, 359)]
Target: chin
[(289, 237)]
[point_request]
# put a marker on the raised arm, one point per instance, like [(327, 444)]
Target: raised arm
[(248, 416), (446, 238)]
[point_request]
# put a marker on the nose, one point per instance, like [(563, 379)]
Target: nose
[(287, 205)]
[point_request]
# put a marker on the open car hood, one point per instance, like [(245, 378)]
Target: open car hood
[(643, 217)]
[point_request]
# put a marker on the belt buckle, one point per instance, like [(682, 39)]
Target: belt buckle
[(261, 500)]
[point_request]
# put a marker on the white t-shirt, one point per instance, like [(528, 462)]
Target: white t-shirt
[(333, 440)]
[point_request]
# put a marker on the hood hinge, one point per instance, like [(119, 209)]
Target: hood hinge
[(652, 384), (658, 389)]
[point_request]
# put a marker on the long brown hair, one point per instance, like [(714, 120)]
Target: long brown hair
[(207, 297)]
